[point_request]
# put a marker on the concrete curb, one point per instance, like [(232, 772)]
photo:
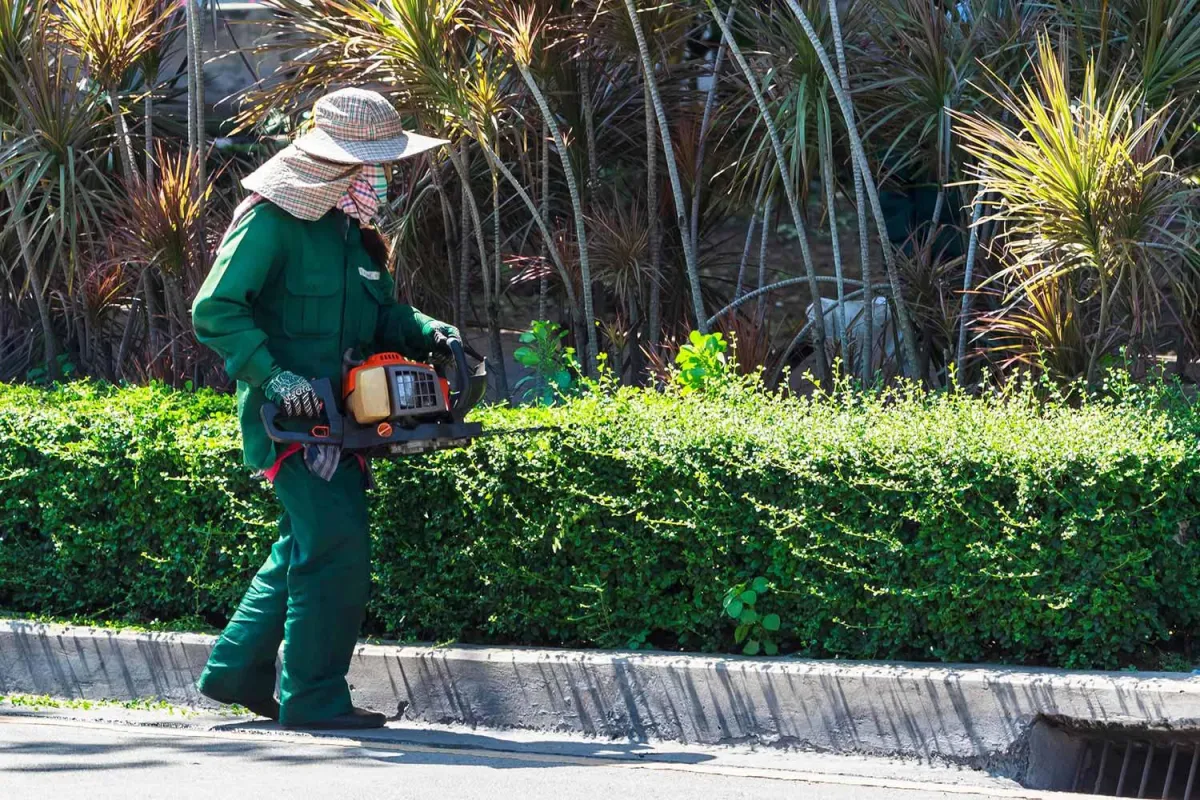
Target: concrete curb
[(983, 716)]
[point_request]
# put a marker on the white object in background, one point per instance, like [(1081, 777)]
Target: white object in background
[(882, 329)]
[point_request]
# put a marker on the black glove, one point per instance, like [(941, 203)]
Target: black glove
[(294, 395), (441, 354)]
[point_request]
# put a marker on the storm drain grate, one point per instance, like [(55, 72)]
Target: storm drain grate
[(1132, 767)]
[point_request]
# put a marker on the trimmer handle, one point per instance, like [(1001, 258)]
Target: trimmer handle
[(326, 431), (469, 384)]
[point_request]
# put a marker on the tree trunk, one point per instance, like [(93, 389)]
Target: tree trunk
[(789, 192), (903, 321), (49, 339), (585, 268), (681, 207)]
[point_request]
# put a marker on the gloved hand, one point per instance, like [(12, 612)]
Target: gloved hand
[(443, 333), (294, 395)]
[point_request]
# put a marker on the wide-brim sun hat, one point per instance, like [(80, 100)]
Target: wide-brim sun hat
[(357, 126), (352, 127)]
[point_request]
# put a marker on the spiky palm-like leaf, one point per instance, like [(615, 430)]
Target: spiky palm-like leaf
[(1084, 191), (1043, 330), (163, 228), (111, 38)]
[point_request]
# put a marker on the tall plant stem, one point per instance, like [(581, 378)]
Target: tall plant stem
[(654, 313), (538, 215), (196, 98), (439, 186), (709, 104), (750, 228), (903, 321), (493, 302), (149, 293), (939, 203), (768, 214), (825, 143), (589, 126), (1102, 330), (681, 208), (783, 284), (149, 111), (464, 177), (585, 268), (864, 257), (24, 241), (968, 282), (464, 255), (189, 23), (788, 188), (547, 240), (124, 141), (860, 205), (135, 307)]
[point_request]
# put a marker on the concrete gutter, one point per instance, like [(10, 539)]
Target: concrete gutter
[(983, 716)]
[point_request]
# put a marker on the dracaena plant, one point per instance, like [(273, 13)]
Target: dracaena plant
[(1086, 194), (111, 38)]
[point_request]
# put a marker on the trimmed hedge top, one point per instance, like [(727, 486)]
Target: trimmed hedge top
[(905, 525)]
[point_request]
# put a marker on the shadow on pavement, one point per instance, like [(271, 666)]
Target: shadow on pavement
[(458, 740), (140, 749)]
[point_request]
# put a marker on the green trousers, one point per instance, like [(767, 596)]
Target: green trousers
[(310, 594)]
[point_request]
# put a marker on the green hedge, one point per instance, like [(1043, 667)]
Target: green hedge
[(913, 526)]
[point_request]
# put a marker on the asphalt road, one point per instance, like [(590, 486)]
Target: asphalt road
[(66, 760)]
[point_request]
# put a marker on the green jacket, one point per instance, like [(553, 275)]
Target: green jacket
[(286, 294)]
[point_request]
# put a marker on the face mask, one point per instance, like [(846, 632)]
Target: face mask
[(379, 181), (366, 194)]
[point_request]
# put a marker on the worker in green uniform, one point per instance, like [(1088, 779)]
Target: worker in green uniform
[(300, 278)]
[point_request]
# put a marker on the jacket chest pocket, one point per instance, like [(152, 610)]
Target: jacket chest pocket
[(376, 293), (313, 307)]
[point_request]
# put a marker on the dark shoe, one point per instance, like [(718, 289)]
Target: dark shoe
[(268, 707), (358, 719)]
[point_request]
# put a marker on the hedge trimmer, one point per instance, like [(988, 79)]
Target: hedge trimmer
[(392, 407)]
